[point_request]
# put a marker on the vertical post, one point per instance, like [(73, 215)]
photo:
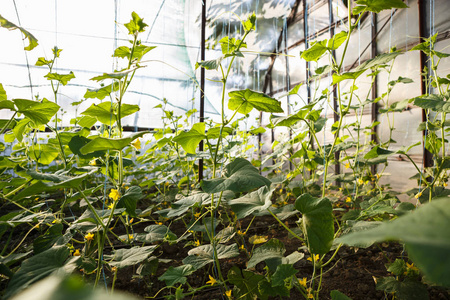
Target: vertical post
[(422, 6), (305, 30), (202, 84), (288, 82), (337, 166), (374, 93)]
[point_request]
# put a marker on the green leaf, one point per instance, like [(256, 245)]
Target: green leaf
[(345, 76), (59, 287), (250, 23), (136, 24), (272, 249), (115, 75), (425, 235), (43, 62), (43, 153), (337, 40), (377, 152), (181, 206), (398, 267), (101, 143), (408, 289), (33, 42), (38, 112), (230, 46), (315, 52), (377, 6), (128, 109), (209, 64), (336, 295), (317, 221), (78, 142), (283, 272), (246, 283), (138, 53), (47, 240), (253, 202), (102, 92), (214, 133), (154, 233), (129, 200), (203, 255), (239, 176), (36, 268), (129, 257), (176, 275), (266, 290), (62, 78), (245, 100), (436, 103), (189, 140), (87, 121), (3, 96), (377, 61), (103, 112)]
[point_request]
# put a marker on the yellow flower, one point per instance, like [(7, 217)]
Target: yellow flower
[(348, 199), (257, 239), (93, 163), (411, 267), (196, 243), (241, 247), (241, 233), (316, 258), (77, 253), (130, 236), (131, 220), (114, 269), (211, 280), (417, 196), (111, 206), (377, 176), (89, 236), (228, 293), (302, 282), (114, 194), (347, 165), (136, 144), (197, 215), (360, 181), (159, 223), (445, 184)]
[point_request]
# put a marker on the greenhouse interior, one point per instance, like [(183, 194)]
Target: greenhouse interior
[(219, 149)]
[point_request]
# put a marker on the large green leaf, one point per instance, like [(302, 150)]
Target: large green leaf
[(115, 75), (436, 103), (3, 96), (246, 283), (129, 257), (129, 200), (102, 92), (37, 267), (345, 76), (189, 140), (336, 295), (272, 249), (38, 112), (101, 143), (209, 64), (253, 202), (203, 255), (245, 100), (138, 53), (62, 78), (43, 153), (240, 176), (317, 221), (315, 52), (181, 206), (78, 142), (408, 289), (33, 42), (136, 24), (378, 60), (154, 233), (377, 5), (103, 112), (283, 272), (176, 275), (425, 234), (59, 287)]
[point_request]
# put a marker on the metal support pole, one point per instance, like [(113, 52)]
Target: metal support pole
[(202, 85), (374, 93)]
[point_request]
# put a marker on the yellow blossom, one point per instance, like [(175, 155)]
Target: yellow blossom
[(131, 220), (159, 223), (241, 247), (196, 243), (228, 293), (316, 258), (211, 280), (418, 195), (197, 215), (302, 282), (360, 181), (130, 236), (114, 194), (411, 267), (136, 144), (76, 253), (377, 176), (114, 269), (241, 232), (257, 239), (93, 163), (347, 165), (89, 236), (445, 184), (348, 199), (111, 206)]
